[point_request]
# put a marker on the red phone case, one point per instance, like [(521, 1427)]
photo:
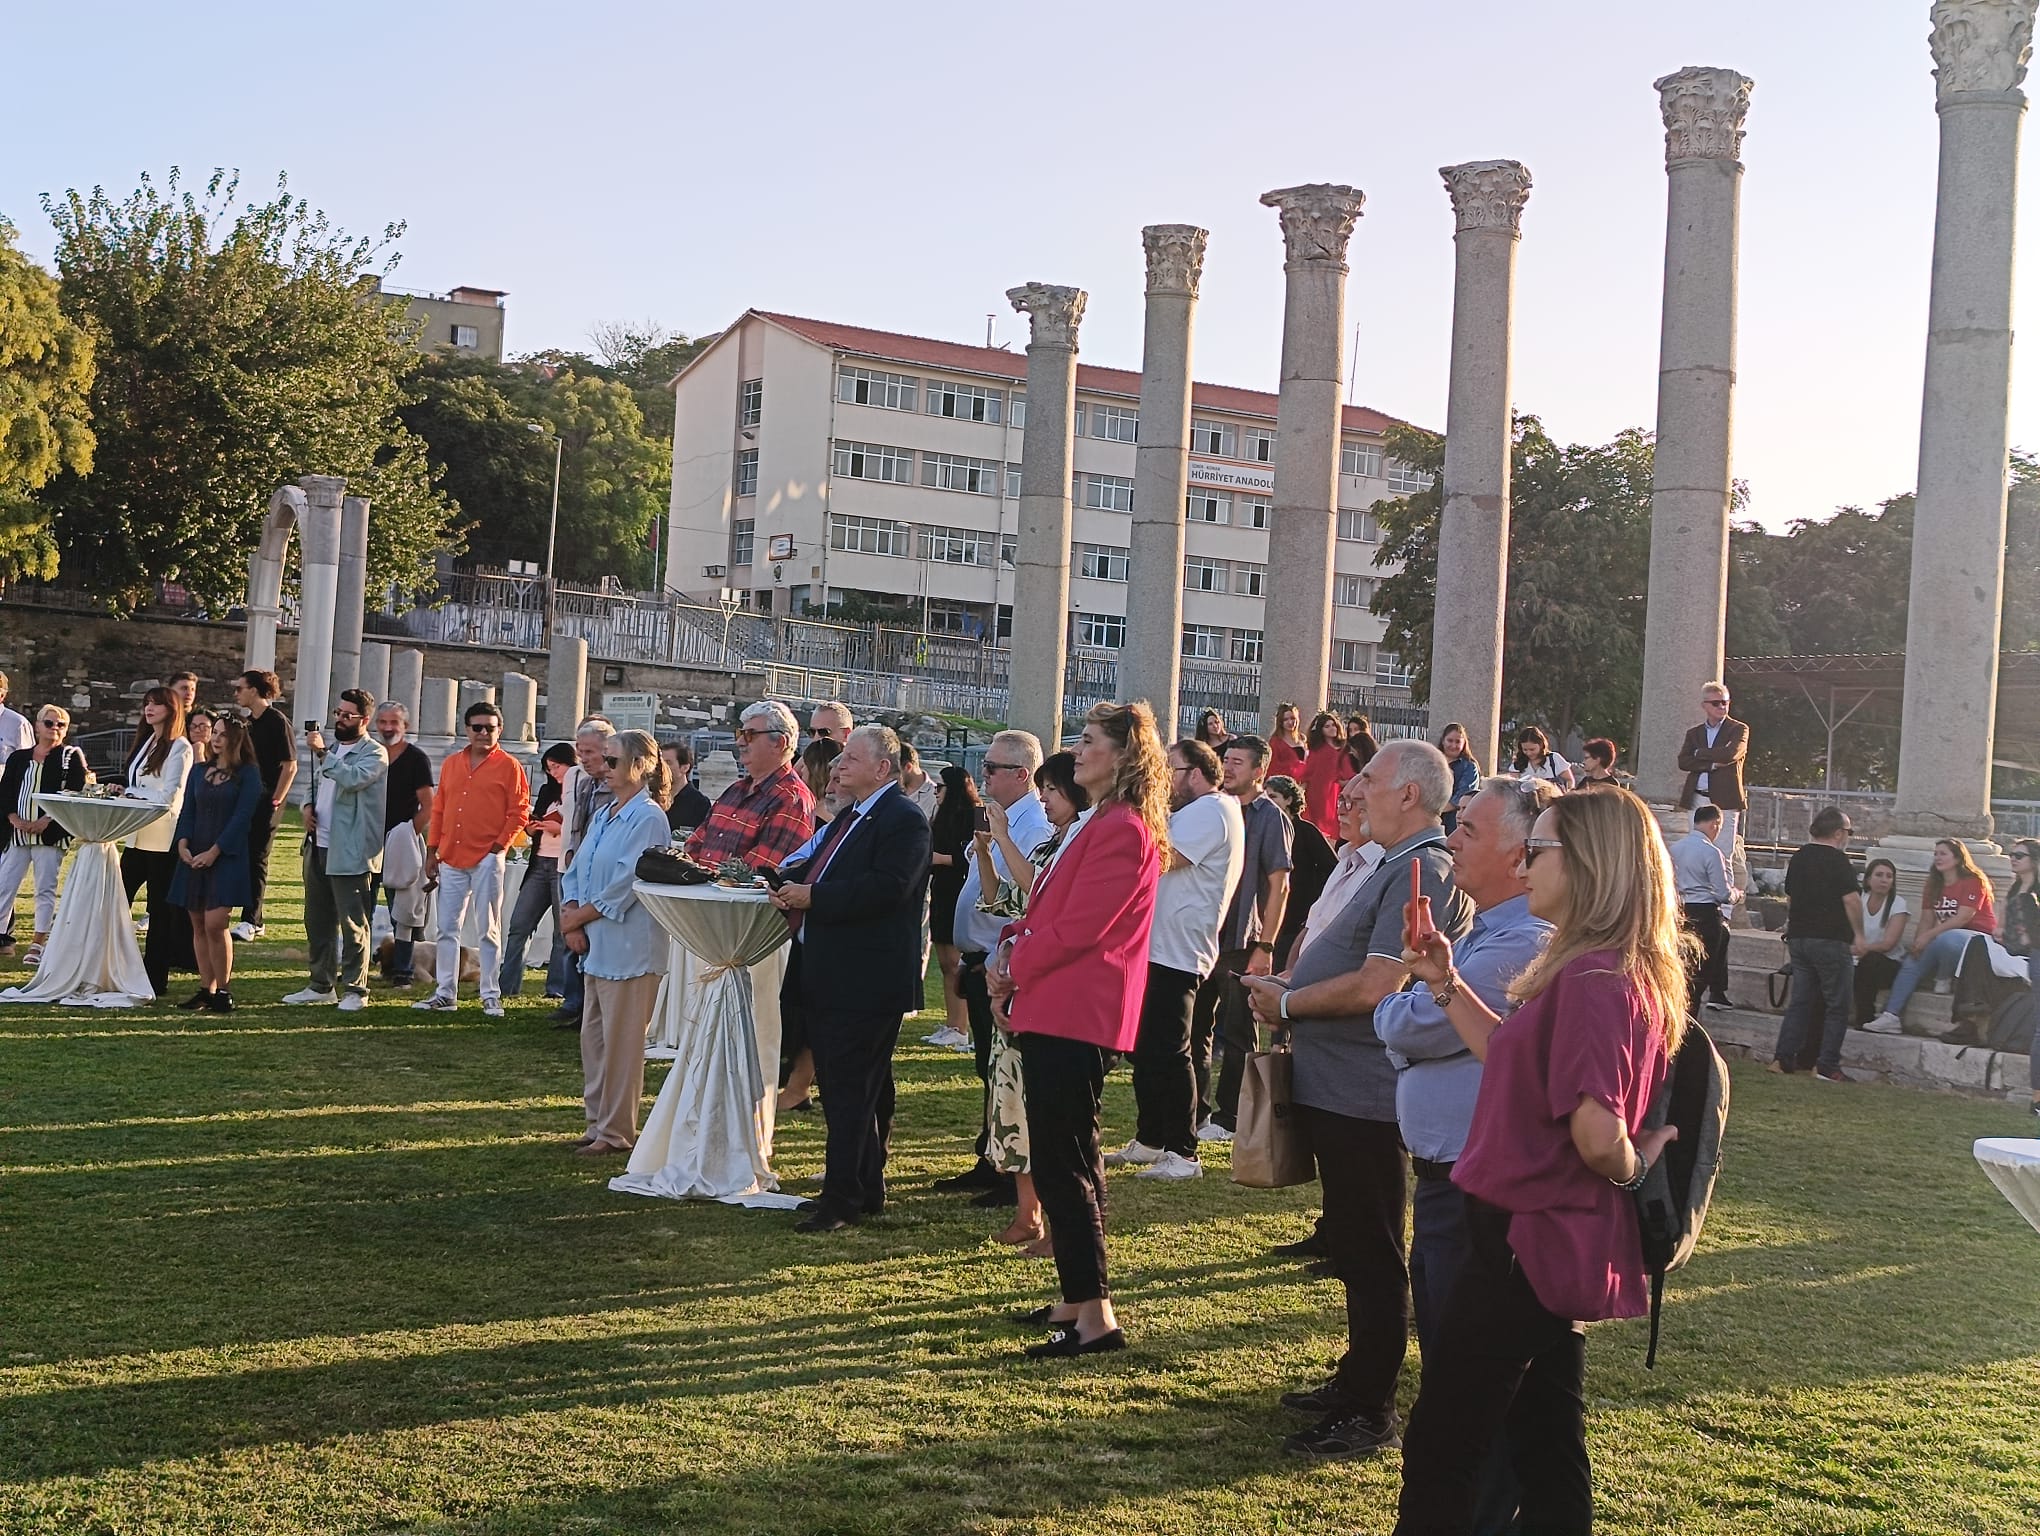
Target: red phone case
[(1420, 923)]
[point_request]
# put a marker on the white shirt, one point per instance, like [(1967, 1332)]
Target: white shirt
[(323, 806), (1355, 864), (1873, 922), (15, 731), (1553, 768), (1027, 824), (1190, 902), (1713, 731)]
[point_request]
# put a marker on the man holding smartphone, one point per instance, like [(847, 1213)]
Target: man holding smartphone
[(343, 852)]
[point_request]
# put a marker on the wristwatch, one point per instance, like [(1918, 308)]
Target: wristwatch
[(1446, 990), (1264, 948), (1282, 1007)]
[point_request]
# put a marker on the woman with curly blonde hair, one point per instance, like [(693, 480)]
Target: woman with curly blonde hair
[(1069, 979), (1550, 1167)]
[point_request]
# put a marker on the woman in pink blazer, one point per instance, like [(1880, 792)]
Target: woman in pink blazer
[(1070, 978)]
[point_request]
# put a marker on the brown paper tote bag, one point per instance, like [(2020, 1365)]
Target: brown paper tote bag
[(1268, 1149)]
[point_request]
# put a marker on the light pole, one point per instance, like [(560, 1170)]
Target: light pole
[(552, 527)]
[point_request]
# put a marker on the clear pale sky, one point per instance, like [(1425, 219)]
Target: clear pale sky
[(901, 166)]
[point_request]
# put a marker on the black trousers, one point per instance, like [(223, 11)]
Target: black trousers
[(854, 1069), (1502, 1367), (261, 833), (1164, 1081), (1709, 976), (1221, 1026), (1064, 1080), (977, 1002), (1823, 974), (1366, 1184), (1874, 973), (168, 947)]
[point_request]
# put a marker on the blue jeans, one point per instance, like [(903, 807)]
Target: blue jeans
[(1823, 976), (538, 895), (1938, 959)]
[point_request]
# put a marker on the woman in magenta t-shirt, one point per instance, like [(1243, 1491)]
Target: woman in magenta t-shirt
[(1549, 1165)]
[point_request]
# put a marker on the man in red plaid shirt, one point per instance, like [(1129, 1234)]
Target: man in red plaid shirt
[(769, 812)]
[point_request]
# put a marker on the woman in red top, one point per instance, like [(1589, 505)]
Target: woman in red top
[(1549, 1165), (1069, 977), (1955, 907), (1285, 747), (1326, 769)]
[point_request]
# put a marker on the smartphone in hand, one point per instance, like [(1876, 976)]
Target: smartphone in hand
[(773, 878), (984, 820), (1421, 927)]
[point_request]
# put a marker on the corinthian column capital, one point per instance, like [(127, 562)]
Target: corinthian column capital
[(1175, 257), (1980, 45), (1488, 194), (1317, 220), (1053, 313), (1704, 111)]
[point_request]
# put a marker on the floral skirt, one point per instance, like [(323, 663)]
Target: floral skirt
[(1006, 1113)]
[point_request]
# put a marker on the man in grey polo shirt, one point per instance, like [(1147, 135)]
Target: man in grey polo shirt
[(1344, 1090)]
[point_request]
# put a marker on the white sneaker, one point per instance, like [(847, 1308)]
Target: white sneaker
[(1886, 1023), (309, 995), (1173, 1165), (1943, 987), (142, 923), (1211, 1130), (947, 1037), (936, 1038), (1134, 1154), (436, 1003), (492, 1007), (352, 1002), (245, 933)]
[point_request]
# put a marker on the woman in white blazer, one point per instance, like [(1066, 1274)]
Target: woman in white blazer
[(157, 770)]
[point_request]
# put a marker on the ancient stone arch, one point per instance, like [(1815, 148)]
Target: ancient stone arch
[(313, 506)]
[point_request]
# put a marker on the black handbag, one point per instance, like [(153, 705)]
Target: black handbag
[(670, 866)]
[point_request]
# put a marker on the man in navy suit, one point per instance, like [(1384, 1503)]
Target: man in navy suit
[(854, 899)]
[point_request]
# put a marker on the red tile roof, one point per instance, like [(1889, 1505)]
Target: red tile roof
[(925, 352)]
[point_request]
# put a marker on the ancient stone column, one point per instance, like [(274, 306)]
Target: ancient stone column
[(1041, 566), (318, 588), (407, 681), (1151, 667), (1473, 536), (1317, 221), (1686, 608), (566, 687), (520, 708), (472, 691), (1981, 48), (374, 672), (350, 594), (435, 706)]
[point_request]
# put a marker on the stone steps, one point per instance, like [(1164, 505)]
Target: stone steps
[(1904, 1059), (1753, 955)]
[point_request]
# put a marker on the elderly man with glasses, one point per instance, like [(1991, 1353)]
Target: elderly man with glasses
[(1712, 757), (479, 809), (768, 813)]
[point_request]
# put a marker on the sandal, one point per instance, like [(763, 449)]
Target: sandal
[(33, 956), (1022, 1232), (1040, 1248)]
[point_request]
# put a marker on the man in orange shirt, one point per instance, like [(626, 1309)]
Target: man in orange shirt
[(479, 808)]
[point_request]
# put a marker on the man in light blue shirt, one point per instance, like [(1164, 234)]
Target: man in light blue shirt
[(1007, 780), (1700, 872)]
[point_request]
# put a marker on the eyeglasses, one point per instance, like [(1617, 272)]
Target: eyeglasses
[(751, 735), (1533, 846), (1347, 802), (1174, 769)]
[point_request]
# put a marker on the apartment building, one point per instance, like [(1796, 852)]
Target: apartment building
[(813, 460), (459, 320)]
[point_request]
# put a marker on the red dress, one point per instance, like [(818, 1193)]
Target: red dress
[(1325, 772), (1283, 758)]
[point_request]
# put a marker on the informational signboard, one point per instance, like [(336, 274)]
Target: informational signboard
[(631, 711), (1253, 480)]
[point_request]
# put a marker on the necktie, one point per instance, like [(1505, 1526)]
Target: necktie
[(838, 830)]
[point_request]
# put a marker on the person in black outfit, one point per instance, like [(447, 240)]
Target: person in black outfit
[(954, 833), (690, 806), (1824, 925), (855, 904), (1313, 859), (409, 799), (275, 745)]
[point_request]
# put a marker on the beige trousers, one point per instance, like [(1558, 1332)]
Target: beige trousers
[(614, 1018)]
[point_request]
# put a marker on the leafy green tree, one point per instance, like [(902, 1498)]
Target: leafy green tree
[(615, 481), (237, 351), (475, 417), (46, 370)]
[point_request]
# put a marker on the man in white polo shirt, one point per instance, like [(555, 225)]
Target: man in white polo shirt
[(1207, 846)]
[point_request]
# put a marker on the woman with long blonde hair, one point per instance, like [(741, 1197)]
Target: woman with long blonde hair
[(1550, 1166), (1069, 979)]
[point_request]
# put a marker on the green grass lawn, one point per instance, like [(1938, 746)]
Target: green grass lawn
[(292, 1270)]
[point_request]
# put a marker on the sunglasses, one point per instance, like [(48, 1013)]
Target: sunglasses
[(483, 728), (1534, 846), (612, 761), (1715, 703), (54, 725)]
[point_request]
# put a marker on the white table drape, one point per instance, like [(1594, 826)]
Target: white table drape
[(2013, 1164), (709, 1135), (91, 959)]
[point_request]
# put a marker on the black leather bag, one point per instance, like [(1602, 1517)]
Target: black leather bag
[(670, 866)]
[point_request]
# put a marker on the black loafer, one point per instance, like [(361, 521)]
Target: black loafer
[(1342, 1438), (1312, 1247), (1064, 1344), (1042, 1317), (197, 1002), (824, 1221), (1329, 1399)]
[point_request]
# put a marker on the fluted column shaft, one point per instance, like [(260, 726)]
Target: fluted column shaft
[(350, 599), (1151, 667), (1473, 537), (1041, 564)]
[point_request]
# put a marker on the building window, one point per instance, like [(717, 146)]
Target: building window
[(863, 386), (1250, 580), (965, 402), (1009, 548), (1202, 642), (956, 546), (743, 534), (1352, 591), (1254, 511), (1246, 645), (1389, 672), (1261, 444), (1360, 459), (747, 472), (1218, 438), (1002, 623), (1108, 493), (875, 461), (869, 535), (1106, 631), (1102, 562), (952, 618), (1208, 507), (1115, 423), (1355, 656), (750, 402), (1203, 574), (1358, 527), (948, 472), (1405, 481), (1017, 419), (466, 338)]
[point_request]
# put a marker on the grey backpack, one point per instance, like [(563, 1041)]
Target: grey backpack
[(1671, 1207)]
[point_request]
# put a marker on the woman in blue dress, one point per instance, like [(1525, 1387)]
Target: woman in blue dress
[(212, 858)]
